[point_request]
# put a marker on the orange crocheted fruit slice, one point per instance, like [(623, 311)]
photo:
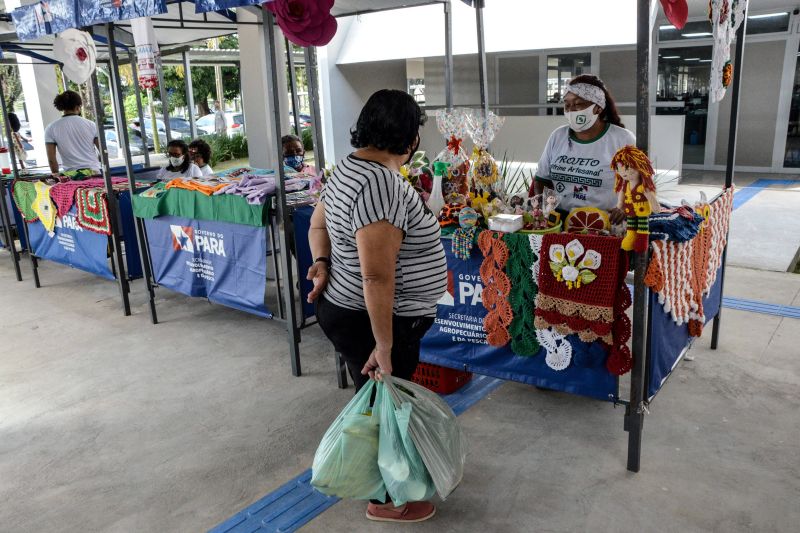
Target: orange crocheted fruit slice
[(587, 220)]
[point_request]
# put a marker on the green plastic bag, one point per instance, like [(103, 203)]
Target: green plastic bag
[(434, 430), (402, 468), (346, 461)]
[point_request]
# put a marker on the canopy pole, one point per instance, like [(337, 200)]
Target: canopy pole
[(635, 410), (111, 199), (292, 329), (5, 217), (448, 55), (164, 108), (139, 110), (293, 86), (738, 69), (187, 79), (312, 74), (123, 139), (482, 76)]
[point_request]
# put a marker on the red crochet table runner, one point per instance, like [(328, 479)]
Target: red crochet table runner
[(582, 291)]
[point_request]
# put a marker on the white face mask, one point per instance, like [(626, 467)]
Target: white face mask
[(582, 120), (175, 162)]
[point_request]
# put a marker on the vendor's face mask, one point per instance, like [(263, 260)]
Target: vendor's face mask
[(294, 161), (176, 161), (582, 120)]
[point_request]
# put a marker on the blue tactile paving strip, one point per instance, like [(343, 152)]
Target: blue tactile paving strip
[(296, 503), (754, 306), (747, 193)]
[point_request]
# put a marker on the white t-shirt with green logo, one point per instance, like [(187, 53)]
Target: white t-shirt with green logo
[(581, 170)]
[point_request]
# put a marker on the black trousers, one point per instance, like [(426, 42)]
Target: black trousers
[(351, 334)]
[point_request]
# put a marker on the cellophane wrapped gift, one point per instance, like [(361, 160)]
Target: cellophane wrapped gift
[(484, 171), (453, 125)]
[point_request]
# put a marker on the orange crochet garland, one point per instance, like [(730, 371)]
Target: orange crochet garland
[(496, 288)]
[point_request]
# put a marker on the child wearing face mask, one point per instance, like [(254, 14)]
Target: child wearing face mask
[(294, 154), (179, 165), (576, 162)]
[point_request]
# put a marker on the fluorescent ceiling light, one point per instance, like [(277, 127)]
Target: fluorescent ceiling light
[(705, 61), (768, 16), (670, 27), (677, 57), (699, 34), (692, 59)]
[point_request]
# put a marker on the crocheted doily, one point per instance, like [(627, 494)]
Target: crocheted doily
[(559, 350)]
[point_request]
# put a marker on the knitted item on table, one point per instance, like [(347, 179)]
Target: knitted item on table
[(620, 360), (522, 296), (43, 206), (93, 210), (578, 290), (462, 242), (63, 194), (24, 194), (496, 288), (679, 225), (683, 273), (535, 242)]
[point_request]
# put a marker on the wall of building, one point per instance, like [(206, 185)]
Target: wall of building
[(618, 71), (758, 111), (466, 87), (518, 83)]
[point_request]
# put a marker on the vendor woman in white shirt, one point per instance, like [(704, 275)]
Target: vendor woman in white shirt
[(179, 164), (576, 162)]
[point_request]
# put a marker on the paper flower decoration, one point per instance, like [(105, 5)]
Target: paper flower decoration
[(75, 50), (571, 265), (676, 11), (305, 22)]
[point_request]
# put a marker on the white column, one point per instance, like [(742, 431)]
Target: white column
[(257, 106)]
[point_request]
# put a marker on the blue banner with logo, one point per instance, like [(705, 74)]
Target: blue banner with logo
[(457, 340), (72, 245), (226, 263), (669, 341)]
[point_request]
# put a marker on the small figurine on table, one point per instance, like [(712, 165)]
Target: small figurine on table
[(552, 216), (539, 222), (636, 195)]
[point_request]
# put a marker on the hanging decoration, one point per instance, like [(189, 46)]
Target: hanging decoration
[(582, 291), (206, 6), (683, 273), (522, 296), (676, 11), (43, 206), (29, 22), (726, 16), (496, 288), (148, 55), (453, 126), (76, 51), (559, 350), (92, 210), (483, 172), (305, 22), (91, 12)]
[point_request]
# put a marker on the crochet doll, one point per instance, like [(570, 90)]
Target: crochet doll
[(636, 195)]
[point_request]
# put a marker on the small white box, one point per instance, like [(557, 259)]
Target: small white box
[(506, 223)]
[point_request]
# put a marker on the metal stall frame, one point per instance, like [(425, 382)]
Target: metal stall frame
[(115, 244)]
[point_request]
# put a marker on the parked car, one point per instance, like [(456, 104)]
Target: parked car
[(179, 128), (235, 122), (305, 120), (112, 144)]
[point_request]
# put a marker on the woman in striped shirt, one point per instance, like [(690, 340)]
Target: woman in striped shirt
[(380, 266)]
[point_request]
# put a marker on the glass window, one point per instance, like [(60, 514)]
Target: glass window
[(683, 88), (416, 88), (791, 158), (770, 23), (561, 69), (701, 29)]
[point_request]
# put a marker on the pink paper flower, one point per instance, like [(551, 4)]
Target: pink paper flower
[(305, 22)]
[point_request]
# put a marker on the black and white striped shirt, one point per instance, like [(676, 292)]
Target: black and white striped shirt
[(362, 192)]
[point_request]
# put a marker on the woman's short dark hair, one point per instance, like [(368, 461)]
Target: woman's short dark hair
[(203, 149), (67, 101), (177, 143), (286, 139), (610, 113), (390, 120), (13, 121)]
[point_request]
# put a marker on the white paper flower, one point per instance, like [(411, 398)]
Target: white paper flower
[(557, 253), (574, 250), (76, 51), (570, 273), (591, 260)]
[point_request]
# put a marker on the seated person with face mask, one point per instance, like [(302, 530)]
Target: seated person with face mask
[(179, 164), (576, 162), (200, 154), (294, 154)]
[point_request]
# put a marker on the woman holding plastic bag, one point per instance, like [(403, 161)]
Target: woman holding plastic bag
[(379, 265)]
